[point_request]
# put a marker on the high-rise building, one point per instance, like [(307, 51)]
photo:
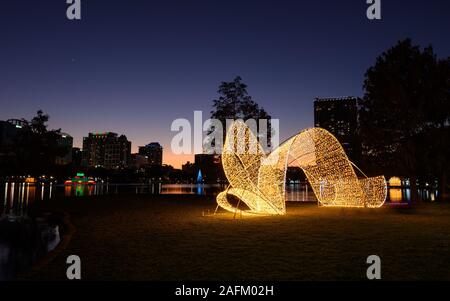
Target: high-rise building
[(153, 152), (339, 116), (65, 141), (106, 150), (138, 161), (18, 123), (77, 156), (8, 132)]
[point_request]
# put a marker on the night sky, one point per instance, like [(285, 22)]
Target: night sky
[(132, 67)]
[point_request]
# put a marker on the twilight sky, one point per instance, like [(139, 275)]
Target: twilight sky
[(132, 67)]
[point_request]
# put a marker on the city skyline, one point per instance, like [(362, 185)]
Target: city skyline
[(172, 57), (136, 149)]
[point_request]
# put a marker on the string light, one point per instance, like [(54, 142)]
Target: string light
[(259, 181)]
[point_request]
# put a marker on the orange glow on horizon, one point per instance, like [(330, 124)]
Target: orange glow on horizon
[(176, 160)]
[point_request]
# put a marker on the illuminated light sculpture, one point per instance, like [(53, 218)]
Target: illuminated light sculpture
[(258, 180)]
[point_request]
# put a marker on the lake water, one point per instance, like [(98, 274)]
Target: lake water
[(18, 198)]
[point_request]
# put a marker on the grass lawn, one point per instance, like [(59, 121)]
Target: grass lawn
[(167, 238)]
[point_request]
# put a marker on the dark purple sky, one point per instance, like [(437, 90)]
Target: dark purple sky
[(134, 66)]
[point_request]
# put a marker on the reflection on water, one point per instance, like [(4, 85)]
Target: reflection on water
[(397, 195), (299, 192), (403, 195), (22, 243), (18, 198), (23, 240), (198, 189)]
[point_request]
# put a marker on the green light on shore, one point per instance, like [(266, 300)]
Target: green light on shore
[(80, 174)]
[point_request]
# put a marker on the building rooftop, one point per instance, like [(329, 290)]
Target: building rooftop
[(153, 145), (102, 133), (320, 99)]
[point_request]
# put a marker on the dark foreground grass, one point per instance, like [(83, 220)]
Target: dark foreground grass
[(167, 238)]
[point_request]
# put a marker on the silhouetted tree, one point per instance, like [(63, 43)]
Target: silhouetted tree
[(39, 123), (37, 147), (235, 103), (404, 115)]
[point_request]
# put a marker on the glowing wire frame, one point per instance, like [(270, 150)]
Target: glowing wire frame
[(259, 180)]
